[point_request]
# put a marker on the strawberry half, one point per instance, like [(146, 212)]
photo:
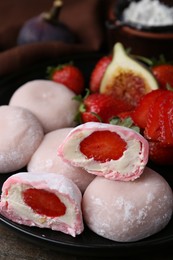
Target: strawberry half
[(69, 75)]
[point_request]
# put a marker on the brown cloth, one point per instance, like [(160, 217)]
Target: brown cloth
[(86, 18)]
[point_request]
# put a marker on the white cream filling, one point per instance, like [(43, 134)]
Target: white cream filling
[(16, 202), (123, 165)]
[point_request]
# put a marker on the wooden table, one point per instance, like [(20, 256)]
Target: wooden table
[(14, 247)]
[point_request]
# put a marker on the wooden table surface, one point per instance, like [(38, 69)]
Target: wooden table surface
[(14, 247)]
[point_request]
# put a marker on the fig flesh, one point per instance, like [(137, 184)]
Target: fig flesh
[(126, 78), (45, 27)]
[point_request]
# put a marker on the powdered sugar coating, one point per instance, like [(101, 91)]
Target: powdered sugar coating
[(20, 135), (46, 159), (13, 206), (128, 211), (51, 102), (128, 167)]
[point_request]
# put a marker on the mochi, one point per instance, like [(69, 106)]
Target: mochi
[(52, 103), (20, 135), (128, 211)]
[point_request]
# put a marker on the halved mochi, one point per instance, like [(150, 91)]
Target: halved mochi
[(128, 211), (45, 159), (112, 151), (43, 200)]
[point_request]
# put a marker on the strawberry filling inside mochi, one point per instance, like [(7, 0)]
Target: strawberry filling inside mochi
[(100, 145), (112, 151), (44, 202)]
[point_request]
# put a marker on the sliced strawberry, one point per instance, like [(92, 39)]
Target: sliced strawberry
[(44, 202), (141, 112), (154, 120), (158, 121), (166, 131), (103, 146)]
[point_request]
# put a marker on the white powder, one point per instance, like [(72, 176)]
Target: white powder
[(148, 13)]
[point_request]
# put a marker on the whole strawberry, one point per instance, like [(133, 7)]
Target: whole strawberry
[(101, 107), (69, 75), (98, 72)]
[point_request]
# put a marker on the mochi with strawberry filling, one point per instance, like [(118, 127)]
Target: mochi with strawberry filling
[(43, 200), (112, 151)]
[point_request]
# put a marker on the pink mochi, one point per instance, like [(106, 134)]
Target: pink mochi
[(128, 211), (52, 103), (20, 135), (127, 168)]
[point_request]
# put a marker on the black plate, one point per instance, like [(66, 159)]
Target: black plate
[(87, 243)]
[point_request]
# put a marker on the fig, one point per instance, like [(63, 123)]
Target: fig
[(126, 78), (45, 27)]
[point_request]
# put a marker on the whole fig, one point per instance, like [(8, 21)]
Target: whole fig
[(46, 27)]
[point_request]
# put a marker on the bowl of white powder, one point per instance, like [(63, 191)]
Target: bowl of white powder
[(147, 15), (144, 26)]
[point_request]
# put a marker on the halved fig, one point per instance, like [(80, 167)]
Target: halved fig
[(126, 78)]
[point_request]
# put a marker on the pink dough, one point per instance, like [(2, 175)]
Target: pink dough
[(20, 135), (51, 102), (128, 211), (13, 206), (128, 167), (45, 159)]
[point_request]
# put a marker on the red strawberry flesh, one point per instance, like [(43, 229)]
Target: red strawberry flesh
[(103, 146), (44, 202)]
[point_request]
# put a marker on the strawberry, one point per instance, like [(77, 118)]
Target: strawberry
[(44, 202), (155, 115), (163, 74), (101, 107), (141, 111), (100, 145), (98, 72), (69, 75), (160, 154)]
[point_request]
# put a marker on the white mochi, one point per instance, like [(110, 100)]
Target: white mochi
[(46, 159), (20, 135), (128, 211), (51, 102)]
